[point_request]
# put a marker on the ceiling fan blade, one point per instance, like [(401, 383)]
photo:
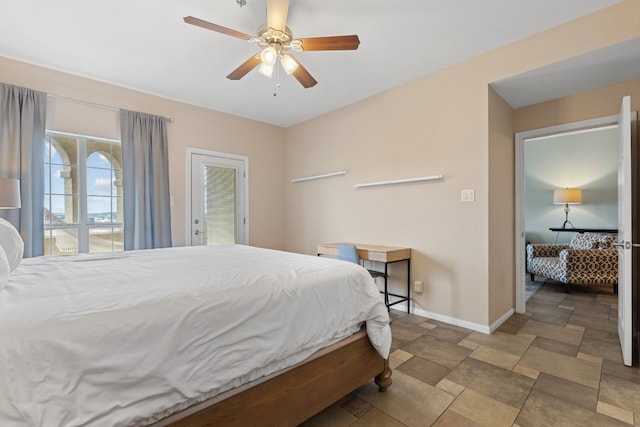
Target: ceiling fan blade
[(330, 43), (215, 27), (303, 76), (277, 11), (244, 68)]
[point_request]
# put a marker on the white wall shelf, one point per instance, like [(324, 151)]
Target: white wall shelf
[(400, 181), (326, 175)]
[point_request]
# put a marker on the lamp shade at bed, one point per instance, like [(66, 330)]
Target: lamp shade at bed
[(9, 193)]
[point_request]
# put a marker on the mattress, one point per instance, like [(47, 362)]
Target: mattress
[(130, 338)]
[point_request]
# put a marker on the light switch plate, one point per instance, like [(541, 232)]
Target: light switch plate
[(467, 195)]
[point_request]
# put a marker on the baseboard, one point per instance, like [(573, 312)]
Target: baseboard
[(458, 322), (495, 325)]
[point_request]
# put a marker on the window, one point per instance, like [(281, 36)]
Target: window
[(82, 195)]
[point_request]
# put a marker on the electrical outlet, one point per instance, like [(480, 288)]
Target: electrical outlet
[(417, 286)]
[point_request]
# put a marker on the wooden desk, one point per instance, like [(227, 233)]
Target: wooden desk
[(383, 254)]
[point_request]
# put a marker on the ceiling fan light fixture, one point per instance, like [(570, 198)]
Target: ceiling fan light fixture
[(289, 63), (274, 40), (269, 55), (266, 70)]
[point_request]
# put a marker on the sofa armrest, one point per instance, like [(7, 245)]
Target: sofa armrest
[(536, 250)]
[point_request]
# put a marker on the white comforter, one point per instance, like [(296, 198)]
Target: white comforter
[(128, 338)]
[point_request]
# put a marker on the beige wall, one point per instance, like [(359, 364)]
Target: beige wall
[(592, 104), (432, 126), (193, 127), (501, 206), (445, 123)]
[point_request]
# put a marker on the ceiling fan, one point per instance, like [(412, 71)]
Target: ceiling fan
[(276, 39)]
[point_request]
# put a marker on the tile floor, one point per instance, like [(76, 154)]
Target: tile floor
[(557, 365)]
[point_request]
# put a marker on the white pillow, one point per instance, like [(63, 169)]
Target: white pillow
[(4, 269), (12, 243)]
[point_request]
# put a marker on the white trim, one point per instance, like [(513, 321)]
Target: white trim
[(400, 181), (495, 325), (458, 322), (520, 237), (238, 157)]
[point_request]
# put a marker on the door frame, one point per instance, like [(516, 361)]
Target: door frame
[(520, 237), (217, 154)]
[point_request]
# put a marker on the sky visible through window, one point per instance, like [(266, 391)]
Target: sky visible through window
[(101, 190)]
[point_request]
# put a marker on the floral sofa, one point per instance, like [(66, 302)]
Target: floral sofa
[(589, 259)]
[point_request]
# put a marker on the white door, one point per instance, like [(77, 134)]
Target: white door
[(625, 245), (218, 199)]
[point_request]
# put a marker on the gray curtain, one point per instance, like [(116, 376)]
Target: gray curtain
[(22, 131), (145, 168)]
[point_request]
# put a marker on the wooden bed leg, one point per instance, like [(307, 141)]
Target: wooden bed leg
[(383, 379)]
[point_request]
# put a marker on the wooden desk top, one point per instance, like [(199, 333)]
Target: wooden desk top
[(369, 252)]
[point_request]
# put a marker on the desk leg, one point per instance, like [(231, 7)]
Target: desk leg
[(386, 290), (409, 285)]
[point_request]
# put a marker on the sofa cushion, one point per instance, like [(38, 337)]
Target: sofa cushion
[(592, 241)]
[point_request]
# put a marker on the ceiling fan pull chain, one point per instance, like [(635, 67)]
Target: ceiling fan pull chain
[(275, 91)]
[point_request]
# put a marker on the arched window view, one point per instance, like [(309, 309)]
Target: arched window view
[(83, 195)]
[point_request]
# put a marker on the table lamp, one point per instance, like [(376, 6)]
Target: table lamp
[(9, 193), (566, 197)]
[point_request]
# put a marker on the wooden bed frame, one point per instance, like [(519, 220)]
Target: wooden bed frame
[(297, 394)]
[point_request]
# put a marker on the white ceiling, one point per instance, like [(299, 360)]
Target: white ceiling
[(145, 45)]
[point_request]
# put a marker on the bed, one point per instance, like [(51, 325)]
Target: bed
[(219, 335)]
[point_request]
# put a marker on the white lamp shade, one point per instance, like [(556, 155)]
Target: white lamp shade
[(9, 193), (269, 55), (289, 63), (568, 196), (266, 70)]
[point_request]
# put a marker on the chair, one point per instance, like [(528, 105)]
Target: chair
[(589, 259), (350, 253)]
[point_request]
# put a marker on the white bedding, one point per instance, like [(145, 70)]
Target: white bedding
[(128, 338)]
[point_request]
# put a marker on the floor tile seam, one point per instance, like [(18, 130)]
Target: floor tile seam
[(447, 409), (358, 418), (561, 398), (558, 340), (492, 349), (426, 360), (511, 336), (618, 376), (526, 399), (493, 398), (498, 367), (595, 365), (624, 380), (487, 396), (617, 408), (389, 415), (588, 357)]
